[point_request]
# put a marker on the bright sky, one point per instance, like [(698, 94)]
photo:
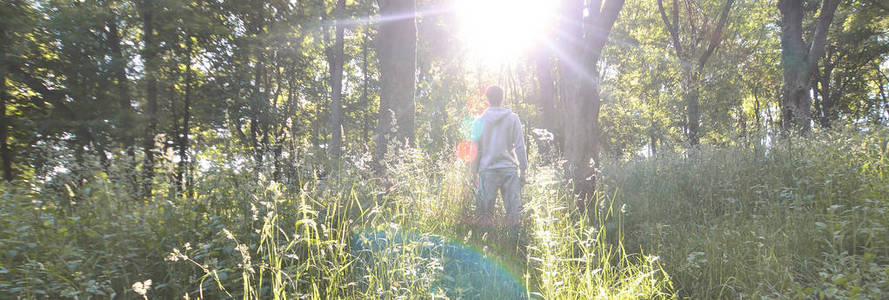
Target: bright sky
[(499, 32)]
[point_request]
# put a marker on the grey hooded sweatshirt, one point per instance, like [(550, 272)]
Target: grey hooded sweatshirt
[(499, 138)]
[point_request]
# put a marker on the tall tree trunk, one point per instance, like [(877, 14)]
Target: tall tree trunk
[(580, 88), (547, 88), (149, 55), (884, 94), (798, 62), (183, 138), (397, 49), (365, 97), (756, 109), (828, 97), (258, 100), (256, 109), (573, 70), (335, 61), (5, 151), (126, 123), (693, 109)]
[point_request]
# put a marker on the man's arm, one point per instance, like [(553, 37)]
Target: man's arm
[(520, 151)]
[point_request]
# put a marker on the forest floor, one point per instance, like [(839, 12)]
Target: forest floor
[(801, 218)]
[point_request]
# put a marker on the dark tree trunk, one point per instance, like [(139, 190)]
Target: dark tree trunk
[(573, 70), (884, 95), (183, 181), (397, 49), (823, 88), (258, 98), (149, 54), (756, 109), (547, 90), (5, 151), (580, 89), (693, 110), (256, 109), (126, 123), (335, 61), (798, 62)]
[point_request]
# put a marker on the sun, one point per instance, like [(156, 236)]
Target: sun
[(499, 32)]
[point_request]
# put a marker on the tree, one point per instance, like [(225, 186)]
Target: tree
[(5, 151), (125, 118), (335, 62), (799, 60), (397, 49), (579, 75), (547, 87), (693, 65), (150, 56), (852, 54)]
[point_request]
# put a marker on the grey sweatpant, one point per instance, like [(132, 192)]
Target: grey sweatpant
[(505, 180)]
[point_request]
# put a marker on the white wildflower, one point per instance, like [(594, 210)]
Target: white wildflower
[(142, 288), (174, 256)]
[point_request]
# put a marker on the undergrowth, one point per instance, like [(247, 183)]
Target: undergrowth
[(802, 218)]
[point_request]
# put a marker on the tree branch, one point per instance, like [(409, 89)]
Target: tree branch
[(607, 17), (816, 50), (672, 28), (716, 35)]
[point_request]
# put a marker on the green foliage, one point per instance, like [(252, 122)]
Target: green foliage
[(804, 217), (245, 235), (573, 259)]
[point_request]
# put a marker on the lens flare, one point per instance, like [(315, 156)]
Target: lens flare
[(463, 268)]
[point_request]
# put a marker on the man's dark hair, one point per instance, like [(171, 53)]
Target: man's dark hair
[(495, 95)]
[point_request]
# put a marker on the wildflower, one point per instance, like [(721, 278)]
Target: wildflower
[(228, 234), (255, 211), (242, 249), (174, 256), (142, 288)]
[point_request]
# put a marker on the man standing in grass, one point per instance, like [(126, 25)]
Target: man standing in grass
[(499, 162)]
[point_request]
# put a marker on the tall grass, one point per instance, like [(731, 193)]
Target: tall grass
[(249, 237), (805, 218), (575, 259)]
